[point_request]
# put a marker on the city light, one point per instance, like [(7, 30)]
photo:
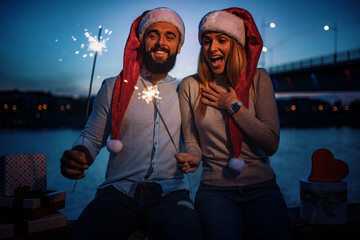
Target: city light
[(335, 29), (263, 29)]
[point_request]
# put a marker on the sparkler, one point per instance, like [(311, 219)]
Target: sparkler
[(96, 45), (150, 93)]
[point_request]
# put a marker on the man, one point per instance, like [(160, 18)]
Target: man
[(143, 187)]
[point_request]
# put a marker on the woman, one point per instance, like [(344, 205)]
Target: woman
[(230, 122)]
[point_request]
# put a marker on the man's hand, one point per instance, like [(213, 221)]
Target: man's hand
[(73, 164), (187, 162)]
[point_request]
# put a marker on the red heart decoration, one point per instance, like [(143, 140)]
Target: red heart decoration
[(325, 168)]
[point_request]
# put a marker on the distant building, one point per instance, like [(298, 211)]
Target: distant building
[(40, 110)]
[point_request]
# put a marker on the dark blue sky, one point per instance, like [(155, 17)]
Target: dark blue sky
[(37, 47)]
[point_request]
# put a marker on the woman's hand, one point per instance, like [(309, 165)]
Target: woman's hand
[(187, 162), (218, 98)]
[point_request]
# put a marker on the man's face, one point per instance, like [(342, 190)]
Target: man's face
[(161, 45)]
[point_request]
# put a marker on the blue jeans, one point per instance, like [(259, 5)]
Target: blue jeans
[(114, 215), (246, 212)]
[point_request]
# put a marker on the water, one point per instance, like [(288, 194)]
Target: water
[(291, 162)]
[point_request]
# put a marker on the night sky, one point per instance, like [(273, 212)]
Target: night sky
[(40, 39)]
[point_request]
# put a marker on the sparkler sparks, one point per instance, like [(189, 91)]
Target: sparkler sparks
[(150, 93), (95, 44)]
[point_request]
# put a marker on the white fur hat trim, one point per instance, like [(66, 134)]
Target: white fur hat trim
[(223, 22), (114, 146), (236, 164), (161, 15)]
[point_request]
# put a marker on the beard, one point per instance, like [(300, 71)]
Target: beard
[(155, 66)]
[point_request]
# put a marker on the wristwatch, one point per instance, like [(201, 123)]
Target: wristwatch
[(235, 107)]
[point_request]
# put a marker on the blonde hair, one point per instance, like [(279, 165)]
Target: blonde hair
[(235, 65)]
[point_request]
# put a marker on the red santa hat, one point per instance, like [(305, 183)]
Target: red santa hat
[(240, 25), (133, 60)]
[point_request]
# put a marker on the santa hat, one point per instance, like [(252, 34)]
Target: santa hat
[(162, 15), (224, 22), (133, 60), (240, 25)]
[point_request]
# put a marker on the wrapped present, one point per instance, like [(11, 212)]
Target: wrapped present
[(52, 226), (32, 208), (47, 222), (323, 202), (22, 170), (323, 194), (6, 231)]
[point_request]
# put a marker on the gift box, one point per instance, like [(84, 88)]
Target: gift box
[(323, 194), (323, 202), (22, 170), (31, 208), (51, 221), (6, 231), (52, 226)]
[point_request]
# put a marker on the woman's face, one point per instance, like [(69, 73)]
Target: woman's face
[(216, 48)]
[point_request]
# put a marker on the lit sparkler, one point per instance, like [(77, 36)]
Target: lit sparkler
[(150, 93), (96, 45)]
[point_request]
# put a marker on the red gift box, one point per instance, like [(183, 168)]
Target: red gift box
[(22, 170)]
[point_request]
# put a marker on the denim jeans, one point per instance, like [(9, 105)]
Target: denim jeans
[(114, 215), (246, 212)]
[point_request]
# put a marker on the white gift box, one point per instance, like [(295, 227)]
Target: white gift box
[(22, 170), (323, 203)]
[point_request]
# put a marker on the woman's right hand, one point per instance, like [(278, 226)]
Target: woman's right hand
[(187, 162)]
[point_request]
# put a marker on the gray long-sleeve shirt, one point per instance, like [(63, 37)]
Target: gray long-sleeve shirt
[(209, 137), (147, 153)]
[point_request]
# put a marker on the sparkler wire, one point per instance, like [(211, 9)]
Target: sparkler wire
[(88, 99), (167, 130), (157, 110)]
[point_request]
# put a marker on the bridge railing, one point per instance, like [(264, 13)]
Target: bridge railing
[(339, 57)]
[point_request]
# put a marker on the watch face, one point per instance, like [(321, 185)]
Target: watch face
[(236, 107)]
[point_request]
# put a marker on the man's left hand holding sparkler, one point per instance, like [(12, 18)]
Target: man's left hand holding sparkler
[(74, 162)]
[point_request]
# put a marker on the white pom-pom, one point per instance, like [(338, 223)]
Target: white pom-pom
[(114, 146), (236, 164)]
